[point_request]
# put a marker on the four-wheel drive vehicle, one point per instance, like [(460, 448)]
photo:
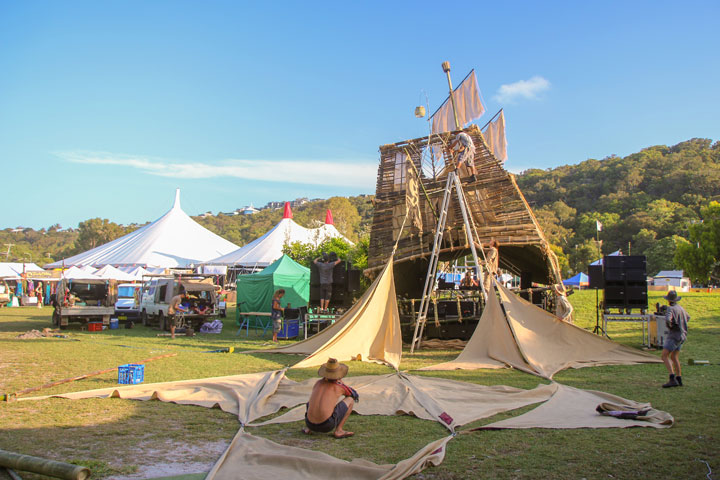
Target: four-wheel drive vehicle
[(127, 306), (157, 291), (84, 301)]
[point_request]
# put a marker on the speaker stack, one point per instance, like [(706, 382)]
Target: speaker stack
[(625, 283), (346, 280)]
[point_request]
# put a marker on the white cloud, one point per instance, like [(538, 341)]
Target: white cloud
[(527, 89), (343, 172)]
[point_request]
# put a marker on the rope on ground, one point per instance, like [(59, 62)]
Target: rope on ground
[(709, 474)]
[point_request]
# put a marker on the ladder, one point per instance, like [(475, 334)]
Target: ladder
[(453, 180)]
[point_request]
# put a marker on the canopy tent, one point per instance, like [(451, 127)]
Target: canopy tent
[(528, 338), (369, 330), (174, 240), (109, 272), (264, 250), (579, 280), (257, 289), (76, 273), (13, 270)]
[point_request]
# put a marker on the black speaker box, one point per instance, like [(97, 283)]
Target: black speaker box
[(451, 309), (614, 275), (353, 280), (624, 261), (635, 275), (340, 274), (595, 276)]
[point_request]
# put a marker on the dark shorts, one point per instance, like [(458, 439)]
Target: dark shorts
[(331, 423), (672, 344), (325, 291), (173, 320)]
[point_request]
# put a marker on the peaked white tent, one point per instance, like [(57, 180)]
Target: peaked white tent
[(13, 270), (328, 230), (264, 250), (76, 273), (173, 240), (111, 273)]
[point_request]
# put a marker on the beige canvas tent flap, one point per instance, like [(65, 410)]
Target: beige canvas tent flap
[(550, 345), (369, 329), (574, 408), (246, 396), (253, 457), (449, 402), (533, 340), (492, 332)]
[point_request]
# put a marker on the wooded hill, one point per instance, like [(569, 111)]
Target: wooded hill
[(647, 203)]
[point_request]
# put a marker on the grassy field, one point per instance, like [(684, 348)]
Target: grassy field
[(118, 438)]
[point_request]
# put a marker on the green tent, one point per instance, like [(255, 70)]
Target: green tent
[(257, 289)]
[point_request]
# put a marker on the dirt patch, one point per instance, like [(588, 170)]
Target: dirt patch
[(173, 458)]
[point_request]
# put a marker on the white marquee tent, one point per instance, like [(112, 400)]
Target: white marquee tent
[(173, 240), (13, 270), (111, 273), (264, 250)]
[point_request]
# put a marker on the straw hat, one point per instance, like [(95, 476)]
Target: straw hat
[(333, 370)]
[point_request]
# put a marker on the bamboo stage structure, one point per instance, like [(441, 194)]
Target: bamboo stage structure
[(497, 206)]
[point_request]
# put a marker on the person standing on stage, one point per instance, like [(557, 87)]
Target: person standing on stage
[(325, 271)]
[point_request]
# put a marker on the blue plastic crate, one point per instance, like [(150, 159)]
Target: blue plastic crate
[(290, 329), (131, 374)]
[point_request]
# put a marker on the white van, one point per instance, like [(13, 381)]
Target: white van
[(127, 306)]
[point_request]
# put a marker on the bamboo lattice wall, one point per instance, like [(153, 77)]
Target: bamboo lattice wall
[(495, 202)]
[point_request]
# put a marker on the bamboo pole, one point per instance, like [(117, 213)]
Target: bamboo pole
[(10, 396), (43, 466)]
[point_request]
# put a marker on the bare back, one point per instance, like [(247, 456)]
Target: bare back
[(324, 397)]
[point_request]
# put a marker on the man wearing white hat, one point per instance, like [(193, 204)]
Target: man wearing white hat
[(324, 413)]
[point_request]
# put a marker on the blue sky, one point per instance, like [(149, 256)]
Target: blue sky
[(107, 107)]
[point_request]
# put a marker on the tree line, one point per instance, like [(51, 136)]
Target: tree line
[(657, 202)]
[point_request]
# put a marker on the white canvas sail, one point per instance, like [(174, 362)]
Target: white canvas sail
[(467, 103)]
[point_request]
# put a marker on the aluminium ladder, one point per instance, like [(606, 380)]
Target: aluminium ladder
[(452, 181)]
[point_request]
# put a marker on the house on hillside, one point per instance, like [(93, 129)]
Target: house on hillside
[(672, 280), (248, 210)]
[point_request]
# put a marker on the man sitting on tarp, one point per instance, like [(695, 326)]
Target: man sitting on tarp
[(324, 413)]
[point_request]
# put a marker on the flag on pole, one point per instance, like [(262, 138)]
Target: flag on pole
[(468, 105), (598, 225), (494, 136)]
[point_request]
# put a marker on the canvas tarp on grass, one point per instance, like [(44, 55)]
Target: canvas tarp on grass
[(535, 341), (370, 329), (257, 289), (449, 402)]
